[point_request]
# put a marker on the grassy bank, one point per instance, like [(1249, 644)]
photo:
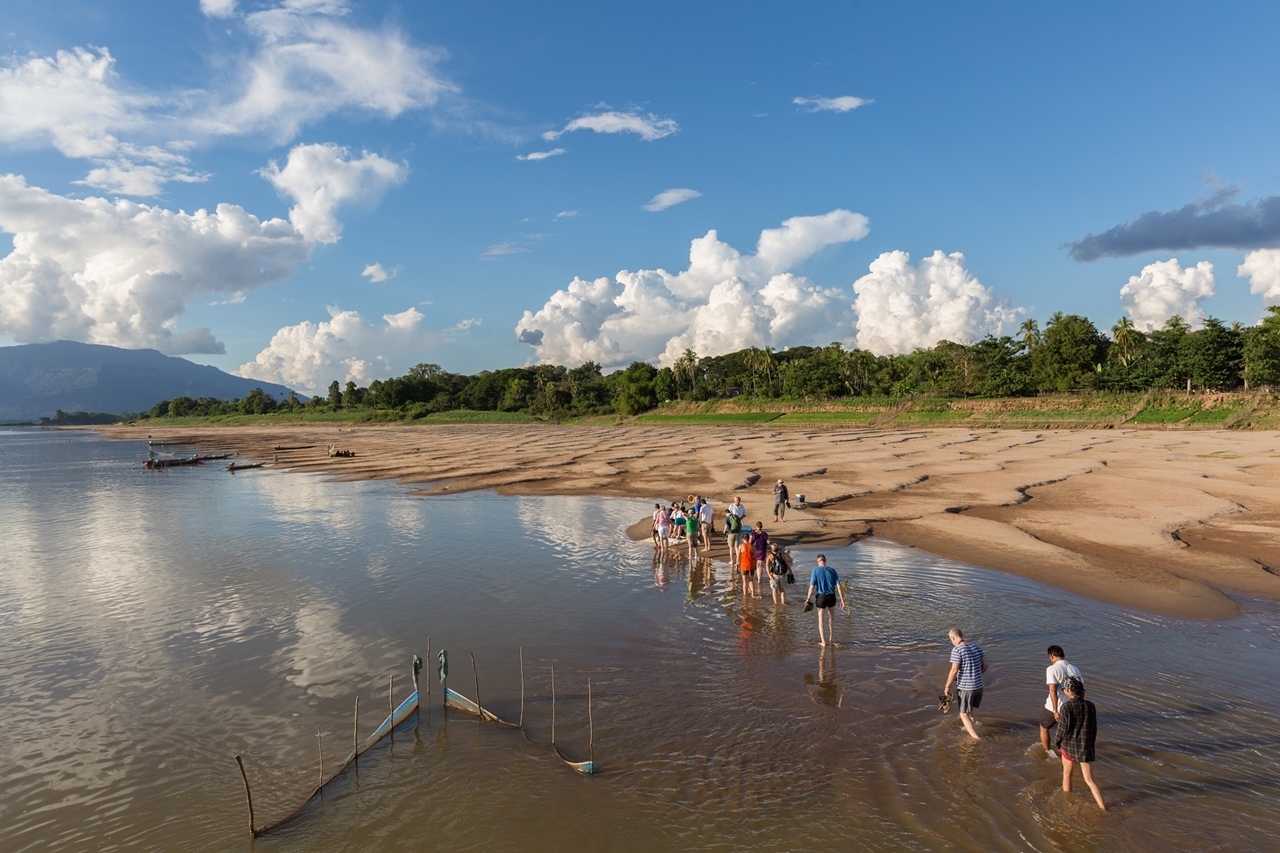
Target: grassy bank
[(1166, 410)]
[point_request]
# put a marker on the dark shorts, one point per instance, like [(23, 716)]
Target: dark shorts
[(969, 700), (822, 602), (1047, 720)]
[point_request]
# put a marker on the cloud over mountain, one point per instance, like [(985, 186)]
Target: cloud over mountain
[(121, 273)]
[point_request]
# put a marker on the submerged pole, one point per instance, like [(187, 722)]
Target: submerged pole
[(247, 795), (591, 733), (320, 744), (391, 704), (355, 731), (428, 679), (521, 726), (476, 675), (553, 706)]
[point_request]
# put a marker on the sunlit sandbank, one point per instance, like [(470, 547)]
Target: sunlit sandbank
[(1167, 522)]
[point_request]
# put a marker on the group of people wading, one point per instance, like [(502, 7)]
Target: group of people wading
[(1068, 720), (755, 557)]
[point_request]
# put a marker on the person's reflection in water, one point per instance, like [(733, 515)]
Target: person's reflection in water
[(825, 689), (660, 576)]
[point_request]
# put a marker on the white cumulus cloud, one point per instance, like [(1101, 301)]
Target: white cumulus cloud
[(724, 301), (320, 177), (306, 61), (1262, 268), (346, 347), (1163, 289), (310, 63), (121, 273), (542, 155), (647, 127), (902, 307), (842, 104), (377, 273), (670, 198), (218, 8)]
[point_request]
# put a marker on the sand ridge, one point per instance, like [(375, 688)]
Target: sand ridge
[(1167, 522)]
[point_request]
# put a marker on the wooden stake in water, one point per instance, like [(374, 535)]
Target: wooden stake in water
[(320, 745), (479, 707), (391, 703), (591, 732), (247, 795), (429, 679), (521, 726), (355, 731), (553, 706)]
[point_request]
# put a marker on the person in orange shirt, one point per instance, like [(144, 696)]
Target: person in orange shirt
[(747, 568)]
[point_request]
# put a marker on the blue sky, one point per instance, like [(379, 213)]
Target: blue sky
[(705, 175)]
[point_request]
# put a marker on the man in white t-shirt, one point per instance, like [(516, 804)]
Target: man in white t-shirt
[(1058, 671), (706, 523)]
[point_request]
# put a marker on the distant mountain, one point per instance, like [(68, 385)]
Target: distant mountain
[(38, 379)]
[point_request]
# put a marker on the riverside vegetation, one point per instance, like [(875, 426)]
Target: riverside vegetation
[(1069, 374)]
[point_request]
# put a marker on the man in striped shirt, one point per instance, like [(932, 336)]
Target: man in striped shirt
[(968, 663)]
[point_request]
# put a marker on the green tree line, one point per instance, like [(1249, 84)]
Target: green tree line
[(1069, 354)]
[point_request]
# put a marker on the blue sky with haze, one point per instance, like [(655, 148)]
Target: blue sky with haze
[(322, 189)]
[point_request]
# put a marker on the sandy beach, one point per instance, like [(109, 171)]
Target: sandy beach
[(1169, 522)]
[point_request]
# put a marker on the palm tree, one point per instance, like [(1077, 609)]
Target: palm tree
[(766, 363), (687, 366), (1125, 339), (1030, 335)]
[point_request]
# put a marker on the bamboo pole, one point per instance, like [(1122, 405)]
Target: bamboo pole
[(247, 795), (591, 732), (320, 745), (430, 676), (553, 706), (479, 707), (391, 704), (355, 730), (521, 726)]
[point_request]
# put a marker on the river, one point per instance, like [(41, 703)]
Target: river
[(154, 624)]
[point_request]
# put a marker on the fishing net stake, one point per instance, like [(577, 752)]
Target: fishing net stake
[(521, 725), (320, 745), (591, 734), (247, 795), (479, 707)]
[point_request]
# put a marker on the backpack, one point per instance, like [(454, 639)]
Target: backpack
[(733, 523)]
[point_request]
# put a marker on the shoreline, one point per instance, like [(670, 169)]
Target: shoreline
[(1167, 523)]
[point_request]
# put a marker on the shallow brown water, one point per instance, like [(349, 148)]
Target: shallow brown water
[(155, 624)]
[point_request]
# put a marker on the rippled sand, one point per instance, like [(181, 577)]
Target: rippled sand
[(1163, 521)]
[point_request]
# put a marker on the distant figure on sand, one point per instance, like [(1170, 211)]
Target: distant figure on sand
[(781, 500), (1077, 731), (747, 568), (777, 567), (732, 534), (968, 663), (824, 588), (1058, 671)]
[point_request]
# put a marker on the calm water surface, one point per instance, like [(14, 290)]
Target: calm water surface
[(155, 624)]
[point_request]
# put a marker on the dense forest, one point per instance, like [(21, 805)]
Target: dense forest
[(1069, 354)]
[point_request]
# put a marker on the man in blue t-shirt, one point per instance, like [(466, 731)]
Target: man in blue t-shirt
[(967, 665), (826, 584)]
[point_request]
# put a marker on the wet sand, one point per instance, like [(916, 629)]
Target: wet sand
[(1167, 522)]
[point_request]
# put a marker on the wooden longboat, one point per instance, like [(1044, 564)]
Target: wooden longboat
[(244, 466)]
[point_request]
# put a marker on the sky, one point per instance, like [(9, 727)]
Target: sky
[(307, 190)]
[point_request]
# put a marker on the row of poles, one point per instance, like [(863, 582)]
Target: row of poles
[(587, 767)]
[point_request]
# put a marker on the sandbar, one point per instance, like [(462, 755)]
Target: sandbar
[(1162, 521)]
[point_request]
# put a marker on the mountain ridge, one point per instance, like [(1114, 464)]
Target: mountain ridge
[(37, 380)]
